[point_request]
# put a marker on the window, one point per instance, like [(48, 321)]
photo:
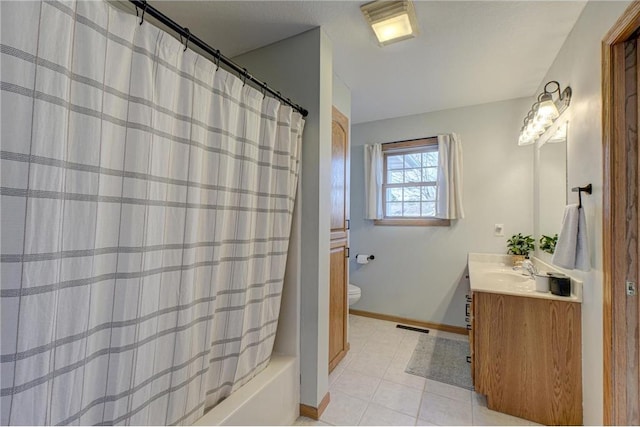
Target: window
[(409, 189)]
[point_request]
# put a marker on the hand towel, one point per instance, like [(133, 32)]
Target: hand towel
[(572, 249), (583, 258)]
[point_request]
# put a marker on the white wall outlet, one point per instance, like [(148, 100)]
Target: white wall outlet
[(498, 230)]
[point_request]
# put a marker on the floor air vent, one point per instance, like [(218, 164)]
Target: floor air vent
[(411, 328)]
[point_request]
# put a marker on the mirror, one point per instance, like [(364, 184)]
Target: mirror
[(552, 184)]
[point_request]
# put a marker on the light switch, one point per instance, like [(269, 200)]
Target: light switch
[(498, 230)]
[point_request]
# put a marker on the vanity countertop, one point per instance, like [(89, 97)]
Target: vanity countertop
[(494, 273)]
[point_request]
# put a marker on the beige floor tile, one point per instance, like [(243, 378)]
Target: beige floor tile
[(371, 364), (333, 376), (348, 357), (377, 415), (360, 330), (356, 384), (398, 397), (407, 345), (386, 339), (483, 416), (305, 421), (379, 348), (370, 386), (443, 410), (343, 410), (357, 343), (403, 356), (395, 373), (448, 390), (424, 423)]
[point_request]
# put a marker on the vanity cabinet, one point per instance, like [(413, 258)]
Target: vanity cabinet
[(527, 356)]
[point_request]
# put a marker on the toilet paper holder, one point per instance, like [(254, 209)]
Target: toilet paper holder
[(369, 258)]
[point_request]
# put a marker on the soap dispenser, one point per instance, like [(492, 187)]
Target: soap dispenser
[(559, 284)]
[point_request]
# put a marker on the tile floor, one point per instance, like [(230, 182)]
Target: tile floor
[(370, 387)]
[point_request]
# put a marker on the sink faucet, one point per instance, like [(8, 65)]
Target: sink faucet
[(528, 268)]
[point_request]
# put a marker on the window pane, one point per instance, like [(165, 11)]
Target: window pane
[(428, 193), (395, 177), (411, 209), (411, 194), (430, 159), (428, 209), (394, 195), (412, 175), (394, 209), (413, 160), (395, 162), (429, 174), (407, 193)]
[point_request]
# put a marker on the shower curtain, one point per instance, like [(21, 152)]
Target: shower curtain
[(146, 202)]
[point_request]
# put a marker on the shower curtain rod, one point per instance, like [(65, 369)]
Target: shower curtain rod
[(184, 32)]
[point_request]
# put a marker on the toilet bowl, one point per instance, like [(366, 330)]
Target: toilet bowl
[(354, 294)]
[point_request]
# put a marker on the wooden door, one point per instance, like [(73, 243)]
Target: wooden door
[(338, 303), (339, 175), (621, 220), (339, 261)]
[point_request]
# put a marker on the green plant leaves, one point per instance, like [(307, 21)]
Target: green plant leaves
[(520, 245), (548, 244)]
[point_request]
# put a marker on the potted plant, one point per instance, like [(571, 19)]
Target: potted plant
[(548, 243), (520, 246)]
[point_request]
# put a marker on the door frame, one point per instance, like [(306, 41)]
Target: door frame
[(615, 332)]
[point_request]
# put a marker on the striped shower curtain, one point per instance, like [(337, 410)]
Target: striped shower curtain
[(146, 205)]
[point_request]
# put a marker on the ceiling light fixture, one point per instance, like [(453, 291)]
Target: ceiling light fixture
[(544, 112), (391, 21)]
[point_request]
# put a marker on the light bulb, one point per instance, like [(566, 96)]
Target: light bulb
[(547, 109)]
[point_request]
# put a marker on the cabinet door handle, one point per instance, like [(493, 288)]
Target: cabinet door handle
[(467, 310), (468, 359), (348, 221), (347, 252)]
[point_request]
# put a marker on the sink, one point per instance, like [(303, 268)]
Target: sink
[(491, 273), (505, 277)]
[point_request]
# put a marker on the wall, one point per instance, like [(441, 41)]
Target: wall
[(419, 271), (341, 97), (578, 65), (301, 68)]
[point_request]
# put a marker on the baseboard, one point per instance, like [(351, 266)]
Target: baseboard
[(412, 322), (315, 413), (337, 359)]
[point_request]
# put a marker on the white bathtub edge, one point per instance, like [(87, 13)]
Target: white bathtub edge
[(270, 398)]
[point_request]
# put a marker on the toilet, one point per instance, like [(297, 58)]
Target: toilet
[(354, 294)]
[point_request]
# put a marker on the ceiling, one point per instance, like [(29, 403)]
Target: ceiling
[(467, 52)]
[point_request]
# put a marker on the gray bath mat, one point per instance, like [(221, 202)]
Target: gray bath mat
[(441, 359)]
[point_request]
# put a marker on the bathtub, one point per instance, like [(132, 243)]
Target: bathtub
[(270, 398)]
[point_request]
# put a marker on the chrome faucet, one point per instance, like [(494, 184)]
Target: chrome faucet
[(528, 268)]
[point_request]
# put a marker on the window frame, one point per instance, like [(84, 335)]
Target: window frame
[(404, 147)]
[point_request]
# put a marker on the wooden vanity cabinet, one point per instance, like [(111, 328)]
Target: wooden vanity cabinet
[(527, 357)]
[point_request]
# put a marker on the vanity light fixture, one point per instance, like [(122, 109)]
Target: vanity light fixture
[(391, 21), (544, 112)]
